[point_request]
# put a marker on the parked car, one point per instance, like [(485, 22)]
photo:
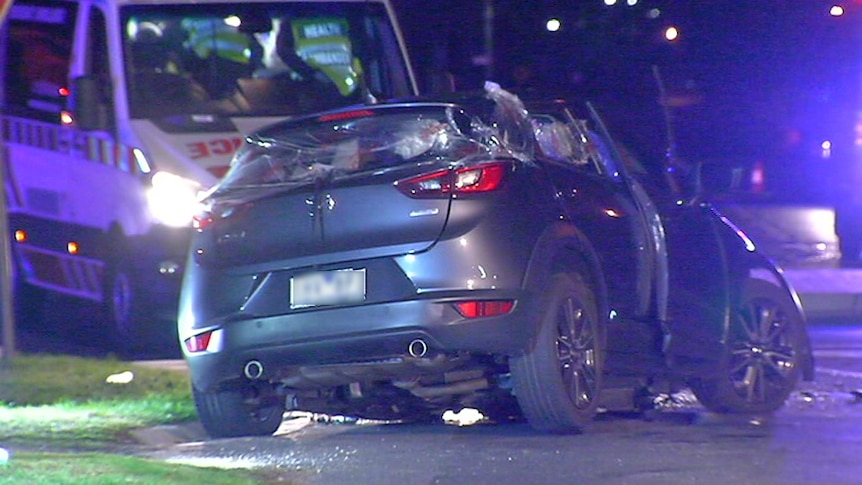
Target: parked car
[(396, 260)]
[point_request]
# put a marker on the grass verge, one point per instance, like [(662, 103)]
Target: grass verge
[(105, 469), (61, 400), (62, 416)]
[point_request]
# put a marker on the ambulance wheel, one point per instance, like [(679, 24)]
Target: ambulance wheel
[(28, 304), (122, 309), (27, 300)]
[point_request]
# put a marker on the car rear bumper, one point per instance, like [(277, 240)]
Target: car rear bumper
[(363, 334)]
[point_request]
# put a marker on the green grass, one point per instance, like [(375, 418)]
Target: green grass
[(69, 401), (34, 380), (102, 469), (66, 409)]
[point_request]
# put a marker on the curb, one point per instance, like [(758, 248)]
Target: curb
[(176, 434), (828, 294), (167, 435)]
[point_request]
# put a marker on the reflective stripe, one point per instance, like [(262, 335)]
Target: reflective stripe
[(70, 142)]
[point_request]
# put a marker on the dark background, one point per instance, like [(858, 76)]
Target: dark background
[(752, 82)]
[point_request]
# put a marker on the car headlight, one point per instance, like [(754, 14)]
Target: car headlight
[(173, 199)]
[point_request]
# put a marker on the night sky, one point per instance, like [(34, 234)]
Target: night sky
[(764, 80)]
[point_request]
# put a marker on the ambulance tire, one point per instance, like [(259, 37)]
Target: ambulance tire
[(28, 304), (122, 310), (28, 301)]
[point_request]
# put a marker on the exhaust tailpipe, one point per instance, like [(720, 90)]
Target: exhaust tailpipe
[(417, 348), (253, 370)]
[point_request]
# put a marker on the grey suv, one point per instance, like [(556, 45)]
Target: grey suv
[(395, 260)]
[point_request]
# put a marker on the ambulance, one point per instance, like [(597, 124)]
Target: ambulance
[(118, 114)]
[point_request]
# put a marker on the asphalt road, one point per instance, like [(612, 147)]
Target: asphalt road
[(815, 439)]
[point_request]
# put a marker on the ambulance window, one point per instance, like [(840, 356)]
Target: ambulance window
[(97, 46), (275, 59), (37, 61), (97, 62)]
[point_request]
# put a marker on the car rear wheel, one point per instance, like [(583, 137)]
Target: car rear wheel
[(763, 352), (243, 411), (559, 380)]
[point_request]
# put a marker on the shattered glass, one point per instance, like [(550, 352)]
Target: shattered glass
[(369, 140)]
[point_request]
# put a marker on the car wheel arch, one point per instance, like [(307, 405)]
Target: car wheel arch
[(764, 353), (744, 261), (739, 262), (564, 248), (757, 266)]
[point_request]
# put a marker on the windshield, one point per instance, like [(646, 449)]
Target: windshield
[(256, 59)]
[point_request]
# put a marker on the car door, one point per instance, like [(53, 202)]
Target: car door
[(606, 206)]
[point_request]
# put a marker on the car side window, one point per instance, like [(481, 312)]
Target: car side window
[(596, 150), (609, 165), (562, 142)]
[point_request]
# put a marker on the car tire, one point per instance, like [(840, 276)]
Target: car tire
[(230, 413), (558, 381), (761, 364)]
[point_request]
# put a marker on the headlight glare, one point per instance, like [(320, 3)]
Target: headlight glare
[(173, 200)]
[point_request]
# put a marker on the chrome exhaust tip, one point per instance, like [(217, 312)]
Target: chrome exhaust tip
[(253, 370), (417, 348)]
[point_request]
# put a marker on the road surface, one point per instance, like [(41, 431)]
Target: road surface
[(815, 439)]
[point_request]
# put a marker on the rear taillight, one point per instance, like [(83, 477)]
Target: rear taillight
[(208, 213), (468, 180), (202, 220), (210, 341), (484, 308)]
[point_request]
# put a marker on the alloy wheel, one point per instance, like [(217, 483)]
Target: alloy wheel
[(762, 357), (576, 351)]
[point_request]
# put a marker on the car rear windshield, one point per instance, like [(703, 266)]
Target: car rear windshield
[(347, 143)]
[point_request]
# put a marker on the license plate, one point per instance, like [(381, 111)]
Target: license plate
[(327, 288)]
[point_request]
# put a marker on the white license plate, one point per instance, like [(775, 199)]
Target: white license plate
[(327, 288)]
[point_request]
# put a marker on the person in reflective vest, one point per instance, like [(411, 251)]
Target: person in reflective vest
[(225, 53), (324, 45), (316, 49)]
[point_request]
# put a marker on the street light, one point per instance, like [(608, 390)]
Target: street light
[(553, 25)]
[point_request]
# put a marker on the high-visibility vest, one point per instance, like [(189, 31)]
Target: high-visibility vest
[(324, 44), (208, 37)]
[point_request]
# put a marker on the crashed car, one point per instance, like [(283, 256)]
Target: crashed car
[(392, 261)]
